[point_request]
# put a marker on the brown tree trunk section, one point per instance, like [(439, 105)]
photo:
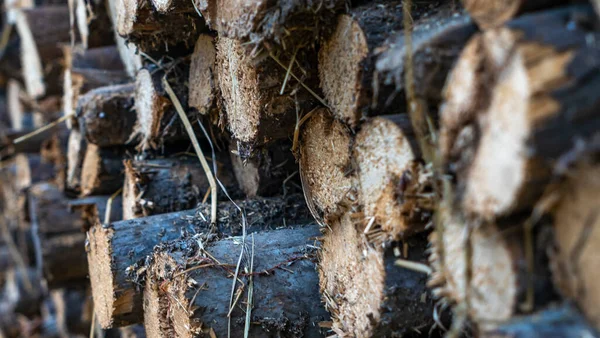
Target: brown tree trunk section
[(325, 165), (157, 119), (494, 13), (159, 29), (117, 252), (58, 236), (159, 186), (102, 171), (106, 115), (514, 104), (362, 63), (285, 298), (76, 149), (395, 189), (265, 174), (94, 24), (264, 21), (559, 321), (577, 236), (468, 260), (256, 113), (89, 69), (203, 83), (380, 299)]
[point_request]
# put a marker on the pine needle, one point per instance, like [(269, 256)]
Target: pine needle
[(287, 74), (199, 153), (43, 129)]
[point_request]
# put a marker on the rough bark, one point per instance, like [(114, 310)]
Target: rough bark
[(106, 115), (367, 294), (576, 224), (263, 21), (285, 298), (102, 170), (157, 29), (59, 240), (560, 321), (490, 252), (394, 186), (159, 186), (492, 14), (266, 173), (204, 92), (517, 99), (255, 111), (157, 119), (325, 164), (117, 252), (361, 65), (89, 69)]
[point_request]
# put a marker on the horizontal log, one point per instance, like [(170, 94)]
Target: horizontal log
[(117, 253), (102, 170), (73, 310), (106, 115), (395, 190), (76, 149), (523, 95), (380, 299), (284, 300), (256, 112), (325, 164), (165, 185)]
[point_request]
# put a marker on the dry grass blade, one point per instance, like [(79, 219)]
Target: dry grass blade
[(109, 206), (287, 74), (194, 140), (6, 31), (419, 267), (250, 293), (43, 129), (297, 79)]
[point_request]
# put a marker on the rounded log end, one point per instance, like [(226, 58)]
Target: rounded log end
[(490, 14), (325, 162), (150, 108), (202, 78), (393, 185), (494, 285), (162, 6), (576, 263), (340, 69), (127, 13), (91, 168), (156, 310), (107, 305)]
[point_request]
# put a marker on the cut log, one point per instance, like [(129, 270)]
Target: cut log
[(367, 294), (54, 150), (73, 310), (266, 173), (19, 119), (58, 237), (106, 115), (516, 102), (395, 189), (89, 69), (22, 292), (284, 300), (361, 65), (264, 21), (577, 236), (93, 23), (490, 252), (492, 14), (102, 171), (117, 253), (157, 119), (75, 155), (325, 164), (203, 82), (129, 56), (561, 321), (159, 28), (159, 186), (31, 169), (256, 112)]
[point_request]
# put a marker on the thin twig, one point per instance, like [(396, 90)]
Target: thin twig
[(419, 267), (6, 31), (299, 81), (205, 166), (287, 74), (297, 128), (109, 205), (43, 129), (250, 293), (93, 325)]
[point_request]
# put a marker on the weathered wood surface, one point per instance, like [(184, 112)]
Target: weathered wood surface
[(102, 170), (285, 300), (117, 252)]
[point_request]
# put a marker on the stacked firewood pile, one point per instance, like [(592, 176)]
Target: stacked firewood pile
[(374, 168)]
